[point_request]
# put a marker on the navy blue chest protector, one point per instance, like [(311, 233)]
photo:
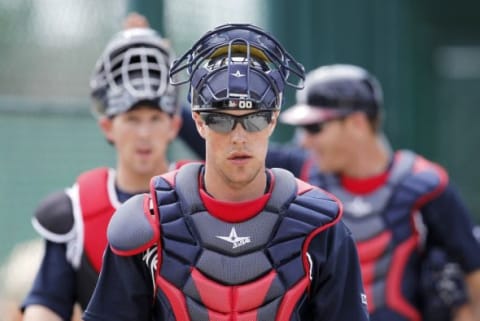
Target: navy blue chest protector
[(388, 230), (210, 269)]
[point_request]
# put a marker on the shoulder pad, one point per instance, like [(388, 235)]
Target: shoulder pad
[(322, 202), (423, 165), (54, 219), (434, 177), (133, 227)]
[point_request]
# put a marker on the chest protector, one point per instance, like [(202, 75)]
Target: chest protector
[(94, 201), (257, 269), (387, 228)]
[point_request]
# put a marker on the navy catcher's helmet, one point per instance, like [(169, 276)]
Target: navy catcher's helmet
[(236, 66), (332, 91), (133, 69)]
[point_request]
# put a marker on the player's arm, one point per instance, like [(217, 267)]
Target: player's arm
[(40, 313), (125, 290), (473, 285), (336, 278), (463, 313), (52, 294), (450, 226)]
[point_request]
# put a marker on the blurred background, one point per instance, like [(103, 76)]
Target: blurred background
[(425, 53)]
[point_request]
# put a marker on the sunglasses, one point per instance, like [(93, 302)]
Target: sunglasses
[(225, 123), (316, 128), (313, 129)]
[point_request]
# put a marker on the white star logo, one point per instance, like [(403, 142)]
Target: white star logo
[(359, 207), (238, 74), (236, 240)]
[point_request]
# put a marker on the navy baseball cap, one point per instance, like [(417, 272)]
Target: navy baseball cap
[(332, 92)]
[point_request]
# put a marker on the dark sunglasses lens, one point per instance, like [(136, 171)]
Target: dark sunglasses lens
[(257, 121), (313, 128), (224, 123), (221, 123)]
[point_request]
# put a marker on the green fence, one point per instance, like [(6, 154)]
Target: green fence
[(42, 153)]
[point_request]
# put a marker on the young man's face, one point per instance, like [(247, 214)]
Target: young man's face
[(237, 157), (141, 137), (330, 147)]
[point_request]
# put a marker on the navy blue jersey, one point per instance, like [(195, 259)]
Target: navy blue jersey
[(47, 291), (450, 228)]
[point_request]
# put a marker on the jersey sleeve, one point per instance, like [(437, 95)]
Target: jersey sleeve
[(337, 292), (124, 291), (54, 284), (450, 227), (291, 158)]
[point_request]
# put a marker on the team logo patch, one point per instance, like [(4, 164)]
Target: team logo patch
[(236, 240)]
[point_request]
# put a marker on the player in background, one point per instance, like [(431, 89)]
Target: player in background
[(398, 205), (138, 113)]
